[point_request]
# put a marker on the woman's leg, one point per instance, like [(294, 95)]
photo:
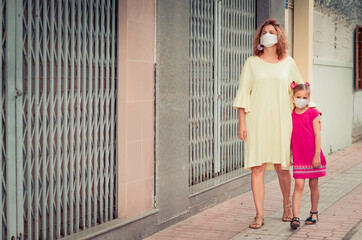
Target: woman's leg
[(257, 186), (285, 183), (314, 195), (297, 196)]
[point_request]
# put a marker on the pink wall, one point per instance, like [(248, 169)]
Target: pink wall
[(135, 106)]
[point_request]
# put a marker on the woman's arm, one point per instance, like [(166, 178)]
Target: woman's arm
[(242, 128), (317, 136)]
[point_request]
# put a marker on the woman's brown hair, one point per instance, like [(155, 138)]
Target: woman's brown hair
[(282, 44)]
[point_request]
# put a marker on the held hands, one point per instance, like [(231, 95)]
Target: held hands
[(242, 132), (316, 160)]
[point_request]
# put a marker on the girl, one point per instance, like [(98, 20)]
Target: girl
[(308, 159)]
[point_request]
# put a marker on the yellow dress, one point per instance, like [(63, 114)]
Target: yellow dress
[(265, 93)]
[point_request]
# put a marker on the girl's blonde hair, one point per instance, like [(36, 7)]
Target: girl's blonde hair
[(301, 87), (282, 44)]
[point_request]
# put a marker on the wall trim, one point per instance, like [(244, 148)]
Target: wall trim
[(325, 62), (118, 225), (224, 192), (218, 181)]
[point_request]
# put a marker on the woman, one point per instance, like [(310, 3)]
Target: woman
[(264, 103)]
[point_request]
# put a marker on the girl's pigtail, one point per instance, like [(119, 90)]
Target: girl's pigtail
[(293, 85)]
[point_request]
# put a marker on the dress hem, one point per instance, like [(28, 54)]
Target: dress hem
[(296, 176), (269, 166)]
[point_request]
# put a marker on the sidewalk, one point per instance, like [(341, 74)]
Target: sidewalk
[(340, 209)]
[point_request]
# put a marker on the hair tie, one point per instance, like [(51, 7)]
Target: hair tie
[(293, 85), (307, 83)]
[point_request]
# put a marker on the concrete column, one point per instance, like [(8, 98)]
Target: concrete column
[(277, 11), (172, 109), (303, 38), (270, 9), (262, 12)]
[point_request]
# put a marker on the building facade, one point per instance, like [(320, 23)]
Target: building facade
[(117, 116)]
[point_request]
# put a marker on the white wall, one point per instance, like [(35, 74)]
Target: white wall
[(332, 87), (332, 91), (357, 115), (332, 37)]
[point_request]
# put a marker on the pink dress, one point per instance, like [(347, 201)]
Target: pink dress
[(303, 146)]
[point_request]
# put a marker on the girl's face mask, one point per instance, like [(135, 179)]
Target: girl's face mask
[(301, 103)]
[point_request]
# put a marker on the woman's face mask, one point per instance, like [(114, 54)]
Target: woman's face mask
[(268, 40)]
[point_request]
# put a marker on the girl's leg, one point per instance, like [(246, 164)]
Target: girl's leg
[(285, 183), (314, 196), (297, 196), (257, 186)]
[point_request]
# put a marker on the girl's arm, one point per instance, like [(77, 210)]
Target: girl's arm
[(317, 137), (242, 128)]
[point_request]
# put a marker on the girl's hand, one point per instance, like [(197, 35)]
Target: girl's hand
[(242, 132), (316, 160)]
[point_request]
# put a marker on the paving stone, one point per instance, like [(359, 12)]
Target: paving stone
[(340, 198)]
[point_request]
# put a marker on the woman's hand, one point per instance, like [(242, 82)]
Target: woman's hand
[(316, 160), (242, 132), (242, 128), (320, 113)]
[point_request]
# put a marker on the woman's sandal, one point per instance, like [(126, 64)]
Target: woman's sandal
[(311, 220), (258, 222), (287, 210), (295, 223)]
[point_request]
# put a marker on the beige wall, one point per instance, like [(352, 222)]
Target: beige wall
[(303, 38), (135, 107)]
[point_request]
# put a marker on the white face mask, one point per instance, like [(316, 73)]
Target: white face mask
[(301, 103), (268, 40)]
